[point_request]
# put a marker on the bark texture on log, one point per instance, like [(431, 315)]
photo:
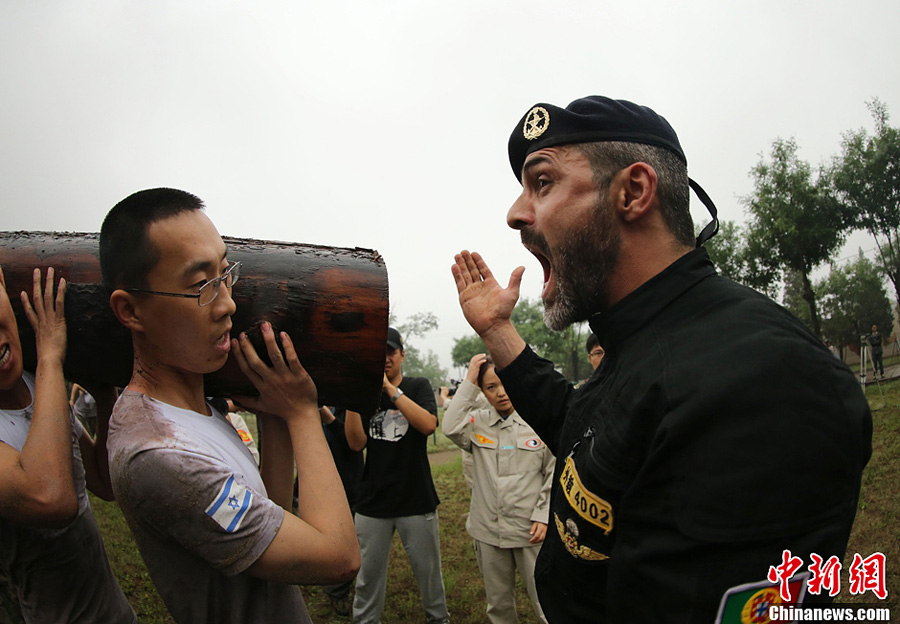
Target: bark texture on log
[(333, 302)]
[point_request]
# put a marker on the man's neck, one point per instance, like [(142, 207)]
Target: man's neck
[(176, 388), (640, 262), (395, 381)]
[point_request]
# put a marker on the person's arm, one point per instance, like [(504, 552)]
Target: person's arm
[(354, 431), (326, 415), (445, 397), (276, 466), (320, 546), (37, 487), (419, 418), (488, 306), (93, 450), (73, 396), (540, 515), (457, 423)]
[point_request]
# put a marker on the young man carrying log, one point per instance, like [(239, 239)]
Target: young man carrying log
[(51, 553), (217, 535)]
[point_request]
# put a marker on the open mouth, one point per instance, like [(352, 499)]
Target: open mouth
[(224, 341), (537, 245), (5, 355), (546, 266)]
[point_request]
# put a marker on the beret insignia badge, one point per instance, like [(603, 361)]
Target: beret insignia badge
[(536, 123)]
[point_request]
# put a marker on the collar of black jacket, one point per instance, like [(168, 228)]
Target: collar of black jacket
[(640, 306)]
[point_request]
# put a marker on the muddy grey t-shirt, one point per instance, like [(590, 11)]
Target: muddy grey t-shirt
[(58, 575), (199, 512)]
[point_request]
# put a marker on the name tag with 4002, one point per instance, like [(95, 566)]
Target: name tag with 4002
[(585, 503)]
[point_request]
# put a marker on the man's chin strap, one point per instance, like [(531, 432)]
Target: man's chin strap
[(713, 226)]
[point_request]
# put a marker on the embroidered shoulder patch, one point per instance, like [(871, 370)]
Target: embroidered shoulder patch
[(244, 436), (751, 603), (585, 503), (534, 443), (231, 505)]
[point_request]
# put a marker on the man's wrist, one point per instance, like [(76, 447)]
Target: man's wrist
[(396, 395), (504, 344)]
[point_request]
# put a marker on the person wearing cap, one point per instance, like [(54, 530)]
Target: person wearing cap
[(687, 466), (396, 492)]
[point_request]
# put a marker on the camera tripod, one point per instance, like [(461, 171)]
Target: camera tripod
[(865, 361)]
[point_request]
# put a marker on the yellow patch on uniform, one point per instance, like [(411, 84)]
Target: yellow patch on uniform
[(585, 503), (483, 439), (244, 436)]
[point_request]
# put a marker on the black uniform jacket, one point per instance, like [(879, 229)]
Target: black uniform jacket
[(716, 433)]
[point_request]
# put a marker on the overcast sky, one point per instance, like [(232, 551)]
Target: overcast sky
[(384, 124)]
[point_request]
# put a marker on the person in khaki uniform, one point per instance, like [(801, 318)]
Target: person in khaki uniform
[(511, 490)]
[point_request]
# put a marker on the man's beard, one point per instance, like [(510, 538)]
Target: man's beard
[(581, 268)]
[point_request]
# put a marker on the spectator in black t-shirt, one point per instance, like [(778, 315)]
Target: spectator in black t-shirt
[(396, 491)]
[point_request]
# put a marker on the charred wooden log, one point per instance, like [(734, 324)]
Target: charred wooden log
[(333, 302)]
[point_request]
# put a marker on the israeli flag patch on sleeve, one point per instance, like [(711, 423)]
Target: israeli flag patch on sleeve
[(230, 505)]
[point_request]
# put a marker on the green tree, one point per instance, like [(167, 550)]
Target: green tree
[(853, 299), (416, 363), (793, 296), (738, 258), (726, 250), (796, 223), (465, 348), (867, 179)]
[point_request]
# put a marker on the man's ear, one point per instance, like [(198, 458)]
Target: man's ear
[(638, 191), (123, 306)]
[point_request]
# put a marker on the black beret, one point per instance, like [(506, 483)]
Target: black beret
[(588, 120)]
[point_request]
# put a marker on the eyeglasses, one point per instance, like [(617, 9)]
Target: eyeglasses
[(208, 292)]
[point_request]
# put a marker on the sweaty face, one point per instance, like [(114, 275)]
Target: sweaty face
[(495, 393), (180, 336), (570, 229), (10, 346)]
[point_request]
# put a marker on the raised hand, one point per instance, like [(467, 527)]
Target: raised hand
[(485, 304), (47, 316), (475, 366)]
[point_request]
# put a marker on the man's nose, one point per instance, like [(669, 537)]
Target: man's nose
[(224, 301), (520, 214)]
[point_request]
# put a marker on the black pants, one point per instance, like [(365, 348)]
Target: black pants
[(878, 361)]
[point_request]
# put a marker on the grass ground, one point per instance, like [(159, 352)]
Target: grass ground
[(875, 530)]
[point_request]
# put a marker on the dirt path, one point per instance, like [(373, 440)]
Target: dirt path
[(439, 458)]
